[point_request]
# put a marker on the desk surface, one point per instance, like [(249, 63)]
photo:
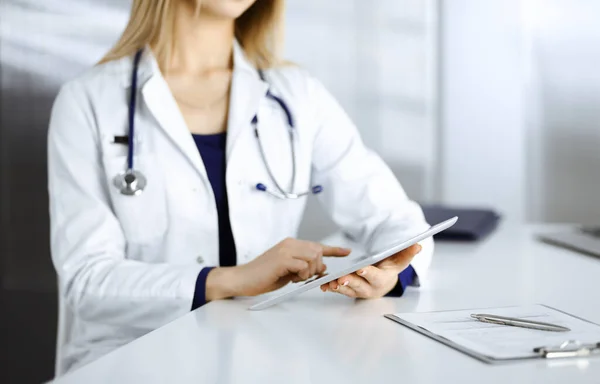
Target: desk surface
[(327, 338)]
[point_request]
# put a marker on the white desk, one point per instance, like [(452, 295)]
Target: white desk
[(327, 338)]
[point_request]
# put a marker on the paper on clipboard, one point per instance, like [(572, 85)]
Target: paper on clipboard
[(494, 343)]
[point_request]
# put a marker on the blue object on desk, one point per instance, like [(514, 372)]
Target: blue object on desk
[(473, 223)]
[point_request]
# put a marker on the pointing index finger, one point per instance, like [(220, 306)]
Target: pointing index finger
[(335, 251)]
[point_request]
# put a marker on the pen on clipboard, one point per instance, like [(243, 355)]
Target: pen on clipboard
[(515, 322)]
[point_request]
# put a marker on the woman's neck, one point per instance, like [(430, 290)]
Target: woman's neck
[(202, 43)]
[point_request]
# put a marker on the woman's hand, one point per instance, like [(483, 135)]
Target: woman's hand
[(289, 261), (374, 281)]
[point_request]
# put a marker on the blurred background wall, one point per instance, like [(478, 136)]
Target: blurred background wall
[(519, 106), (471, 102), (482, 117), (563, 104), (379, 59)]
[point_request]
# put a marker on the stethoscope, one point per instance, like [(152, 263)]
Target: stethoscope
[(133, 182)]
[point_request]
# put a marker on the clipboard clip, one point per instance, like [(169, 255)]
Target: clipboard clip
[(570, 348)]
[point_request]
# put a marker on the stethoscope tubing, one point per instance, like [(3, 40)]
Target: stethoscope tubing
[(132, 107), (132, 182)]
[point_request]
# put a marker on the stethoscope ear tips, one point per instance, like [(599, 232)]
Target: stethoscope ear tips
[(263, 188)]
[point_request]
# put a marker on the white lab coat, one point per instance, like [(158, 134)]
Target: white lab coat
[(128, 265)]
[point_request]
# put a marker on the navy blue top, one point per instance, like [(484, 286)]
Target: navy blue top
[(405, 278), (212, 151)]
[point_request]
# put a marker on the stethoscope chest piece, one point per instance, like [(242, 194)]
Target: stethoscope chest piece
[(130, 182)]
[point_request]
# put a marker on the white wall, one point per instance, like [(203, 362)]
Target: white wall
[(482, 106), (520, 108), (564, 110)]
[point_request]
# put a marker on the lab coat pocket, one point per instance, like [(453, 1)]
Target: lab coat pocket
[(279, 217), (143, 217)]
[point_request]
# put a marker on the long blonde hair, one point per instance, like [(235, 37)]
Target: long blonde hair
[(259, 31)]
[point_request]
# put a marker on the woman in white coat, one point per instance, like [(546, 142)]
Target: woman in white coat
[(194, 102)]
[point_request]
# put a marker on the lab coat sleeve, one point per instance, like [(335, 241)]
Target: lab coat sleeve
[(360, 192), (87, 244)]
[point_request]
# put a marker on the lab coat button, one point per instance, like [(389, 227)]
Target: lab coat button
[(200, 260)]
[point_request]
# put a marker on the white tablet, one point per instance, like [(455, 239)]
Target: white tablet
[(351, 265)]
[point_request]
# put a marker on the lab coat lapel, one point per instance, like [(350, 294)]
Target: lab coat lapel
[(247, 91), (159, 100)]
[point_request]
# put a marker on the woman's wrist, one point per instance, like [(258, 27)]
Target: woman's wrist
[(222, 283)]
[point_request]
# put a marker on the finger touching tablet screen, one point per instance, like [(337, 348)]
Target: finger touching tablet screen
[(352, 265)]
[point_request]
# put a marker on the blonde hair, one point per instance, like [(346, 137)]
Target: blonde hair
[(259, 31)]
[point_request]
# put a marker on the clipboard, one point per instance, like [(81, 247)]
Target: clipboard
[(568, 348)]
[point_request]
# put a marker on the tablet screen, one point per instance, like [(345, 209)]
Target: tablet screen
[(348, 265)]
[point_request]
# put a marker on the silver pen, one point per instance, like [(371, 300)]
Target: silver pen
[(515, 322)]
